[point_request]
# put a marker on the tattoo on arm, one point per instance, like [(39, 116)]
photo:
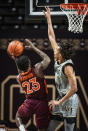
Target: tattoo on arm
[(46, 60)]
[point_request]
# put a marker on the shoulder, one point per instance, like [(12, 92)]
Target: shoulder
[(38, 69), (68, 62), (68, 65)]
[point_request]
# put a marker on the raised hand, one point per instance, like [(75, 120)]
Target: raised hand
[(47, 12), (28, 44)]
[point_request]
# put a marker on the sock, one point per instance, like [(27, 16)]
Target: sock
[(21, 128)]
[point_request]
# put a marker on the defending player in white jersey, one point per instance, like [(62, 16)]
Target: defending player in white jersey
[(67, 102)]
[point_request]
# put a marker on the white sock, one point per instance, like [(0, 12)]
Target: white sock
[(21, 128)]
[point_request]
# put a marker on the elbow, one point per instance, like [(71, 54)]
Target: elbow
[(75, 89), (74, 85), (48, 60)]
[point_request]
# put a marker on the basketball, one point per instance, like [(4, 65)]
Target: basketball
[(15, 48)]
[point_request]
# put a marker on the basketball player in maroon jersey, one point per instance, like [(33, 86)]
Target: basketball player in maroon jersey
[(33, 83)]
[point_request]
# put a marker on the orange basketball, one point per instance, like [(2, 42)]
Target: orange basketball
[(15, 48)]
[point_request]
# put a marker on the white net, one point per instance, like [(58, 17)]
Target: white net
[(75, 17)]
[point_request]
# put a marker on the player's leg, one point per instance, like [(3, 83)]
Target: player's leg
[(42, 115), (69, 124), (23, 114), (53, 125), (19, 122)]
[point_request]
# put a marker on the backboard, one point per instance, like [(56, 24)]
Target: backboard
[(35, 7), (34, 10)]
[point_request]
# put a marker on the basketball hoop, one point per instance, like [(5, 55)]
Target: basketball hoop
[(75, 13)]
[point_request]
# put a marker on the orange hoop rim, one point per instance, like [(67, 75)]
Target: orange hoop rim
[(74, 5)]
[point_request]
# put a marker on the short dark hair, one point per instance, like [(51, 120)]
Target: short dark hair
[(23, 63), (66, 50)]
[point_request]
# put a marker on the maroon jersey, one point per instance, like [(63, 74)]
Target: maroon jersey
[(34, 86)]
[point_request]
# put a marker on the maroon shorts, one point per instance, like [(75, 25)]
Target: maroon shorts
[(39, 108)]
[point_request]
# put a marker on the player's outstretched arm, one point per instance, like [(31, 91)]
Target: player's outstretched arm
[(51, 34), (46, 60)]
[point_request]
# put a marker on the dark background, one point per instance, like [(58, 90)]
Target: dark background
[(7, 67), (16, 23)]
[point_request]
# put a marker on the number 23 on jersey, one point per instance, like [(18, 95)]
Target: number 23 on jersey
[(35, 85)]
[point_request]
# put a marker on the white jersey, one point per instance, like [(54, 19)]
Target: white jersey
[(69, 107), (61, 80)]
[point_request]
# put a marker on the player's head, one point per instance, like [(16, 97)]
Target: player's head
[(23, 63), (66, 50)]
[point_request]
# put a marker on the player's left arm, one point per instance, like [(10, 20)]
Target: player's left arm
[(69, 72), (45, 58)]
